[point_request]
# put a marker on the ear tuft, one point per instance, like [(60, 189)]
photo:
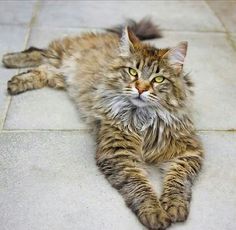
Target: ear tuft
[(177, 55), (128, 40)]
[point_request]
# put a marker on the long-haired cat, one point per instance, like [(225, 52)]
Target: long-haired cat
[(136, 97)]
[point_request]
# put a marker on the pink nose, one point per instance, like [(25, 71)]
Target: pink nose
[(141, 90), (142, 86)]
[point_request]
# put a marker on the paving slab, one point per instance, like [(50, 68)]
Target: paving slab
[(43, 109), (171, 15), (214, 200), (49, 180), (41, 37), (211, 62), (225, 10), (11, 39), (16, 12)]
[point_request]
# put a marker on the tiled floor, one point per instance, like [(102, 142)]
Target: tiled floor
[(48, 177)]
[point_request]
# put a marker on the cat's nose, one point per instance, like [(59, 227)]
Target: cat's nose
[(141, 90), (142, 86)]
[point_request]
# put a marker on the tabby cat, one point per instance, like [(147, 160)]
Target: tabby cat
[(136, 96)]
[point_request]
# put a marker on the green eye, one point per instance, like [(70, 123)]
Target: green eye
[(159, 79), (133, 72)]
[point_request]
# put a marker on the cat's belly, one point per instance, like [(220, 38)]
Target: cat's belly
[(69, 69), (79, 89)]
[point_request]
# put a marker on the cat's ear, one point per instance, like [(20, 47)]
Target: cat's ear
[(176, 56), (127, 42)]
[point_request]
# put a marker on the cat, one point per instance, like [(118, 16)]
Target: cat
[(136, 97)]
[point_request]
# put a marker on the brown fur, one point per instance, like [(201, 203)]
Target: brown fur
[(93, 68)]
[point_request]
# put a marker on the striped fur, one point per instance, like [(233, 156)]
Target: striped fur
[(137, 120)]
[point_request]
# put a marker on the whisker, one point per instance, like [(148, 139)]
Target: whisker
[(151, 99), (127, 92), (128, 89), (153, 96)]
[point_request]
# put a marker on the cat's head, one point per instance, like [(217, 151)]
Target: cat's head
[(149, 79)]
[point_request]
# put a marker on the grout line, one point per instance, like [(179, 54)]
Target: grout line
[(104, 29), (90, 130), (216, 130), (194, 31), (26, 41), (5, 111), (32, 22), (214, 13), (46, 131), (227, 32), (230, 40), (36, 10)]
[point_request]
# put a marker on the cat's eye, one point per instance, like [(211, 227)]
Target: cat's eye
[(159, 79), (133, 72)]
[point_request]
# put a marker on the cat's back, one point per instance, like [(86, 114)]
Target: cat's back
[(103, 43), (82, 57)]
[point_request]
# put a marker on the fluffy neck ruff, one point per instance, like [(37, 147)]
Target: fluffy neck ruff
[(120, 109)]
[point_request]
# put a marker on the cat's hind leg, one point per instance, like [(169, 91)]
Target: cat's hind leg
[(28, 58), (39, 77), (31, 57)]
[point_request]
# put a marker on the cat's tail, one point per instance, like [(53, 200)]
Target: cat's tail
[(144, 29)]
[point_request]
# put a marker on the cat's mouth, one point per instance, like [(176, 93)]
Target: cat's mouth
[(138, 101)]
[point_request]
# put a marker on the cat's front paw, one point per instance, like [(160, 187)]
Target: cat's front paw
[(14, 86), (155, 219), (176, 207)]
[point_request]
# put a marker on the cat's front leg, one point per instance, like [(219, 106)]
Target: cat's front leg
[(179, 176), (118, 157)]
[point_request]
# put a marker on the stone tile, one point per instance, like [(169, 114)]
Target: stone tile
[(55, 184), (214, 200), (41, 37), (50, 181), (225, 10), (171, 15), (16, 12), (43, 109), (211, 62), (11, 39)]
